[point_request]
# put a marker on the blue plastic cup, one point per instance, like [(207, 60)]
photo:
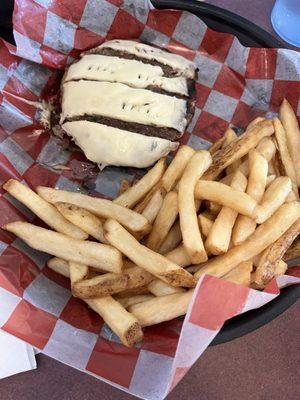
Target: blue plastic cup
[(285, 19)]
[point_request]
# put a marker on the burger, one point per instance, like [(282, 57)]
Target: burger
[(126, 103)]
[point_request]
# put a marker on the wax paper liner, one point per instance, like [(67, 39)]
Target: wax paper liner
[(235, 85)]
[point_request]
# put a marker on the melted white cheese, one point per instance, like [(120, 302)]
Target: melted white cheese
[(111, 146), (119, 101), (179, 63), (130, 72)]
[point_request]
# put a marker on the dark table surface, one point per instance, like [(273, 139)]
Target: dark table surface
[(263, 365)]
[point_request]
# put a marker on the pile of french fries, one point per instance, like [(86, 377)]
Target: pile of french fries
[(232, 211)]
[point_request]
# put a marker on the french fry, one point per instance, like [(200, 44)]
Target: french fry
[(172, 239), (179, 256), (264, 235), (101, 207), (238, 148), (240, 274), (273, 254), (290, 124), (213, 207), (217, 145), (226, 196), (287, 163), (60, 266), (125, 185), (273, 198), (193, 268), (111, 283), (130, 301), (84, 219), (152, 208), (255, 121), (124, 324), (120, 321), (272, 169), (205, 224), (293, 251), (230, 136), (176, 167), (133, 292), (218, 239), (145, 258), (138, 191), (187, 211), (139, 208), (163, 222), (265, 147), (45, 211), (78, 272), (270, 179), (258, 171), (162, 308), (97, 255), (160, 288), (281, 268)]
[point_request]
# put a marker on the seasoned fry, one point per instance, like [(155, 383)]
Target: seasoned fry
[(255, 121), (160, 288), (154, 263), (205, 224), (60, 266), (270, 179), (273, 198), (172, 239), (273, 254), (124, 324), (97, 255), (238, 148), (287, 163), (293, 251), (130, 301), (162, 308), (152, 208), (290, 125), (264, 235), (258, 171), (78, 272), (225, 195), (187, 211), (82, 218), (163, 222), (101, 207), (179, 256), (110, 283), (230, 136), (125, 184), (217, 145), (45, 211), (176, 167), (218, 239), (240, 274), (138, 191)]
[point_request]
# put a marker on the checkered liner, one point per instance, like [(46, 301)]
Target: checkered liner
[(235, 85)]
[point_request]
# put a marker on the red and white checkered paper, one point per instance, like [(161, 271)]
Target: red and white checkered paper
[(235, 85)]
